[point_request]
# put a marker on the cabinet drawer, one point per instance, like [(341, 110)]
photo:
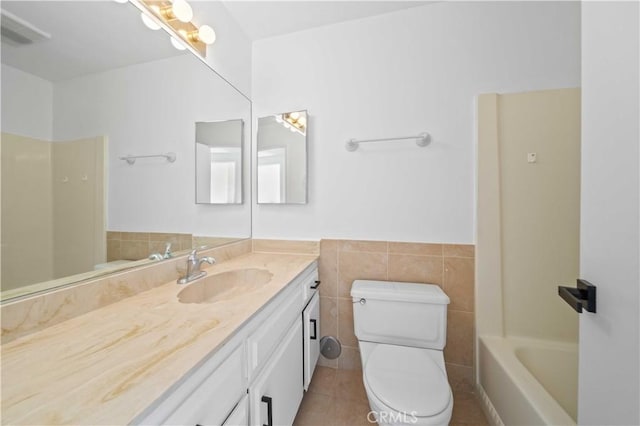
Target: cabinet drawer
[(310, 285), (263, 341), (213, 400)]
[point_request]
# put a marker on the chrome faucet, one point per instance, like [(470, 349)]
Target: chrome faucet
[(193, 267)]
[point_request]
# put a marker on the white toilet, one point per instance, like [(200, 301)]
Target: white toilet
[(402, 330)]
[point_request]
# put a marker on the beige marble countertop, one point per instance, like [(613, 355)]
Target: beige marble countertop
[(107, 366)]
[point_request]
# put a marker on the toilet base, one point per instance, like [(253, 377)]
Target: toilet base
[(386, 416)]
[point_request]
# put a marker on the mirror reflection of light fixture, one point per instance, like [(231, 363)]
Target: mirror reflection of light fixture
[(148, 22), (177, 43), (175, 16), (296, 121)]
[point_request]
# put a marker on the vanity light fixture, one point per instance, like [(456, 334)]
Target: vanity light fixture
[(178, 9), (176, 16)]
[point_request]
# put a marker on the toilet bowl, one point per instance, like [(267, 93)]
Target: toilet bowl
[(401, 330)]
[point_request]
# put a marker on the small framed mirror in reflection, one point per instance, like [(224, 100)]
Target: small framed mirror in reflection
[(282, 158), (219, 162)]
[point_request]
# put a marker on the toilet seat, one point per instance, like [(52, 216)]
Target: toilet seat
[(407, 380)]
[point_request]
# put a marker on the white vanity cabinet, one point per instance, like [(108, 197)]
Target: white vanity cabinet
[(259, 375), (276, 394)]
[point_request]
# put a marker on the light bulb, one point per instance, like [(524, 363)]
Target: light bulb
[(182, 10), (177, 44), (206, 34), (302, 121), (294, 115), (148, 22)]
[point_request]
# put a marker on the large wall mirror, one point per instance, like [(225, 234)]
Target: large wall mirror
[(282, 158), (94, 86)]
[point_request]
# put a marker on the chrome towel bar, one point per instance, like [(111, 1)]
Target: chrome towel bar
[(422, 140), (131, 159)]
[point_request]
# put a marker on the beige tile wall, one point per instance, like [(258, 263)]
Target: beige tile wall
[(139, 245), (451, 266)]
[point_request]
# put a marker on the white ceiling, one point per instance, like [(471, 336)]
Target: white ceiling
[(83, 38), (263, 19)]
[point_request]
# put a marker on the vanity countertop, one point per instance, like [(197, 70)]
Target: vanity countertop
[(107, 366)]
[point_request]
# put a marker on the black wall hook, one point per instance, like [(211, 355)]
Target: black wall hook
[(582, 297)]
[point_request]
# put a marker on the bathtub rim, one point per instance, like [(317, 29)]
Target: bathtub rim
[(541, 402)]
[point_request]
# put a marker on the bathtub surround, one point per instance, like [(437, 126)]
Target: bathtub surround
[(39, 311), (528, 212), (53, 198), (451, 266), (528, 244)]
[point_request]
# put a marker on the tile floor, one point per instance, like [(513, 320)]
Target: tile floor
[(337, 398)]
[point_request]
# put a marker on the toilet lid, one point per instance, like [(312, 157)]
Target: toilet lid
[(407, 380)]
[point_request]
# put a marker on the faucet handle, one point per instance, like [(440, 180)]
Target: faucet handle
[(210, 260), (193, 255), (167, 251)]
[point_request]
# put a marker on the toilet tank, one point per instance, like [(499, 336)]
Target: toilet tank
[(397, 313)]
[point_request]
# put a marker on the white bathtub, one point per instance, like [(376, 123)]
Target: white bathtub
[(528, 381)]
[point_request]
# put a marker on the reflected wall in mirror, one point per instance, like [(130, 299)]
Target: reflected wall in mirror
[(219, 162), (71, 209), (282, 158)]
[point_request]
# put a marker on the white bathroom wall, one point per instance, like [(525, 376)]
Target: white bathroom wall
[(230, 55), (31, 98), (152, 108), (401, 74), (609, 388)]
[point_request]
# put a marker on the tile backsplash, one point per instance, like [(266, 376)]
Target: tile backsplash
[(451, 266), (139, 245)]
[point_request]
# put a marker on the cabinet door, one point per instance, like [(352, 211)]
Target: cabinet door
[(276, 394), (240, 414), (311, 329)]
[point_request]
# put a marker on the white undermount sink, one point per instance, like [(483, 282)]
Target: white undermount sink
[(225, 285)]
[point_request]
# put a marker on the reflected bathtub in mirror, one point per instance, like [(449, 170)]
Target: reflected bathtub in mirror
[(282, 158), (219, 162)]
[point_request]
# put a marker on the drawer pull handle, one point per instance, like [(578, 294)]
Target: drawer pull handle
[(315, 331), (317, 284), (269, 402)]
